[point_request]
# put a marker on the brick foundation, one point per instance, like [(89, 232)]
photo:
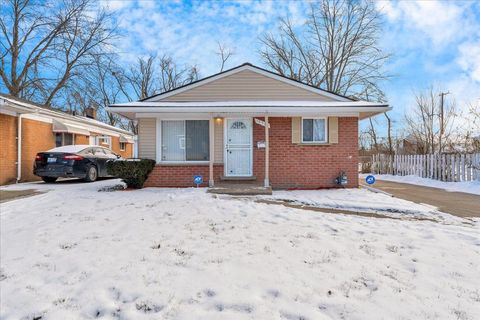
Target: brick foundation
[(181, 175), (291, 165)]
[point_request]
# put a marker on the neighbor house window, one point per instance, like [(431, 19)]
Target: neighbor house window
[(122, 146), (314, 130), (185, 140), (104, 141), (63, 139)]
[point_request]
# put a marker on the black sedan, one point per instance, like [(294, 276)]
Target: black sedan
[(76, 161)]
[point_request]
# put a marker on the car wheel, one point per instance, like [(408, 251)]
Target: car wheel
[(49, 179), (92, 174)]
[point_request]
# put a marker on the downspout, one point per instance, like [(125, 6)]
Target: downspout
[(267, 154), (19, 148)]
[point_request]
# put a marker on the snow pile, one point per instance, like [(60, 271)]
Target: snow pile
[(362, 200), (466, 186), (75, 253)]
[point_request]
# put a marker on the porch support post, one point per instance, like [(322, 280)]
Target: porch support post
[(267, 154), (211, 143)]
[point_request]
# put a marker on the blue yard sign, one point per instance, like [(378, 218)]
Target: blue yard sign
[(370, 179), (198, 180)]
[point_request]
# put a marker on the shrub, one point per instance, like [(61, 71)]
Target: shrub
[(133, 172)]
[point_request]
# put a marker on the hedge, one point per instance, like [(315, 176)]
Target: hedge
[(133, 172)]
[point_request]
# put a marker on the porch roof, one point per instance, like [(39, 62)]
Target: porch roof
[(139, 109)]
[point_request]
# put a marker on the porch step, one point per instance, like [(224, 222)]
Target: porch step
[(246, 178), (240, 189)]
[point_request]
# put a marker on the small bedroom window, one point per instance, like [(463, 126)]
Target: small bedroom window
[(314, 130)]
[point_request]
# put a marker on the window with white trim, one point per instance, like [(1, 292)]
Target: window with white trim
[(185, 140), (104, 141), (314, 130), (123, 146)]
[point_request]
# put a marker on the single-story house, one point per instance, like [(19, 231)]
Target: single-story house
[(33, 128), (248, 123)]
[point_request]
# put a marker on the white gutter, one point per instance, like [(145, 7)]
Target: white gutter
[(271, 110), (261, 103)]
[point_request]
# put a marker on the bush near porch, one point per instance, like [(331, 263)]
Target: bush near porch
[(133, 172)]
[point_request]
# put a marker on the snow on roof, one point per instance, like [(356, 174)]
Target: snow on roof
[(72, 148)]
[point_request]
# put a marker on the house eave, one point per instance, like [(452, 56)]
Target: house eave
[(134, 112), (14, 108)]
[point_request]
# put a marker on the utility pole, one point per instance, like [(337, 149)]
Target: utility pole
[(442, 95)]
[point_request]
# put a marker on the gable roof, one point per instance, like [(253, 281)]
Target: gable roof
[(255, 69)]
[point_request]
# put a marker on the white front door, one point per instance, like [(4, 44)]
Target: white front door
[(238, 147)]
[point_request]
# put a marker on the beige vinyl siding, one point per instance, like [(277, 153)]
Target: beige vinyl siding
[(218, 137), (147, 132), (246, 85)]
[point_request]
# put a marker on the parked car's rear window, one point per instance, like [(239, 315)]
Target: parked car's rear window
[(99, 152), (88, 151)]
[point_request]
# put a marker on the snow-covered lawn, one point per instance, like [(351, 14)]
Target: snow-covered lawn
[(466, 186), (74, 253)]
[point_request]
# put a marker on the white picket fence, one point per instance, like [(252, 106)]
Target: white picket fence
[(444, 167)]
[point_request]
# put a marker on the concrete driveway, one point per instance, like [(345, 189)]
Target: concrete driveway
[(456, 203)]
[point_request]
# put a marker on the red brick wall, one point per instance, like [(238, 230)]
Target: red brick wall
[(37, 136), (79, 139), (307, 166), (127, 153), (291, 165), (8, 149)]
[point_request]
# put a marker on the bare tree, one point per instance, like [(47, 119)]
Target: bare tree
[(172, 76), (474, 114), (139, 81), (423, 122), (224, 53), (389, 134), (372, 133), (45, 44), (337, 49), (149, 76)]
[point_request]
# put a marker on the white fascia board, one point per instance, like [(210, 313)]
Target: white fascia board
[(254, 110), (253, 69)]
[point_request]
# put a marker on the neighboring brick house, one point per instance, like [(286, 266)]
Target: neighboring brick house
[(43, 128), (248, 123)]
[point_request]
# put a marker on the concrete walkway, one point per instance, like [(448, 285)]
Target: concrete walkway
[(8, 195), (456, 203)]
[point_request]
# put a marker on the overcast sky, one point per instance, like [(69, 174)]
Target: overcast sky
[(433, 42)]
